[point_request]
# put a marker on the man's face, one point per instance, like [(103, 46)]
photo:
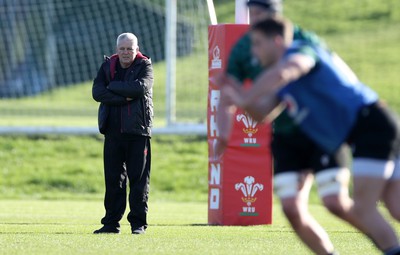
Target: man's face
[(126, 51), (258, 13), (264, 48)]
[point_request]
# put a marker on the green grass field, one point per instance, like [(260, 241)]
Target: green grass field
[(59, 167), (51, 190), (65, 227)]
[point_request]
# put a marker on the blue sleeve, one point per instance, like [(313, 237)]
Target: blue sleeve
[(304, 49)]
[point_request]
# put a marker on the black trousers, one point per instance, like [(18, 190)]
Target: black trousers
[(126, 160)]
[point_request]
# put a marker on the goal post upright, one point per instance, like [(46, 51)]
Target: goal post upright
[(211, 12), (241, 12), (170, 56)]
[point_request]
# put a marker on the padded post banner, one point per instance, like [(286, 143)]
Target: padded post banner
[(240, 182)]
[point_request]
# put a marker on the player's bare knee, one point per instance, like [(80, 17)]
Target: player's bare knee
[(363, 208), (293, 214), (334, 204), (290, 208), (395, 214), (391, 194), (332, 188), (394, 210)]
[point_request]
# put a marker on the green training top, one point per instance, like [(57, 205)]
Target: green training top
[(242, 65)]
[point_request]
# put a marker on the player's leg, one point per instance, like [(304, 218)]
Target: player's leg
[(391, 193), (333, 190), (367, 192), (375, 138), (293, 188), (332, 177), (391, 198)]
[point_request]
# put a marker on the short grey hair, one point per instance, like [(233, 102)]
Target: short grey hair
[(128, 36)]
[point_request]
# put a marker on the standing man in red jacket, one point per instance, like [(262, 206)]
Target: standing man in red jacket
[(123, 87)]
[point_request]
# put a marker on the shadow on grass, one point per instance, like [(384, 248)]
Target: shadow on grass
[(181, 225), (39, 233), (44, 223)]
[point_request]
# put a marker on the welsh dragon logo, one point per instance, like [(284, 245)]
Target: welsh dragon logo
[(250, 128), (249, 188)]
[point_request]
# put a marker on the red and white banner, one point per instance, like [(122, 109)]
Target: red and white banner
[(240, 183)]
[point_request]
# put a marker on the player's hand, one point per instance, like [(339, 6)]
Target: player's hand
[(233, 82), (218, 79), (232, 96), (220, 147), (223, 79), (129, 99), (231, 90)]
